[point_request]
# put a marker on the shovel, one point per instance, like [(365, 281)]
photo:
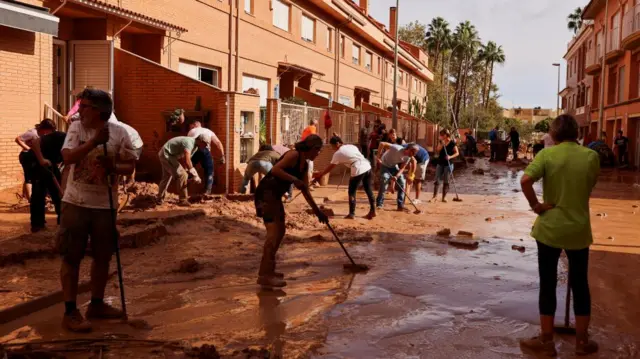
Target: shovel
[(566, 328), (417, 211)]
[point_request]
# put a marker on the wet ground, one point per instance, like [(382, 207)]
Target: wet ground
[(422, 298)]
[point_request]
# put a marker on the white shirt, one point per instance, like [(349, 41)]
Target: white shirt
[(548, 141), (197, 131), (136, 141), (29, 136), (87, 182), (349, 155)]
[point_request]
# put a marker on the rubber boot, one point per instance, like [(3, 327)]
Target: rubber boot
[(445, 190)]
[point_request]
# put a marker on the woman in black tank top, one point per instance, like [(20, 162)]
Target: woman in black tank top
[(292, 168)]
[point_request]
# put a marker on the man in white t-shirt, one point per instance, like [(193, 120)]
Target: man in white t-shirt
[(352, 157), (85, 204), (203, 156), (26, 157), (136, 141)]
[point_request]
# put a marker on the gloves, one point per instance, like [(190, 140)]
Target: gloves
[(193, 172), (222, 160), (197, 179)]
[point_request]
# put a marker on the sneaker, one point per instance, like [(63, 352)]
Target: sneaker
[(75, 322), (36, 229), (271, 282), (350, 216), (103, 311), (586, 347), (444, 200), (401, 209), (433, 200), (417, 201), (370, 215), (379, 207), (540, 346)]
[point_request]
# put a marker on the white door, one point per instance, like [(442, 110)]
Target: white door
[(91, 65), (250, 82)]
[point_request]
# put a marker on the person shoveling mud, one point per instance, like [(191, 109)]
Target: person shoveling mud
[(393, 162), (360, 173), (292, 168), (447, 151), (563, 223)]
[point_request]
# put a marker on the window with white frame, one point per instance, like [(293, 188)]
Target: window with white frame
[(324, 94), (308, 29), (342, 45), (281, 14), (401, 77), (248, 6), (368, 59), (355, 54), (204, 73), (329, 39), (415, 84)]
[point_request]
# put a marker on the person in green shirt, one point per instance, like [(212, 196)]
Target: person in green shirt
[(170, 155), (569, 172), (262, 162)]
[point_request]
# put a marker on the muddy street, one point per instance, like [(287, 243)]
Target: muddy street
[(194, 281)]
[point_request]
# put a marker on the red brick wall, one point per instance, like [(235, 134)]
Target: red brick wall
[(25, 85), (143, 90)]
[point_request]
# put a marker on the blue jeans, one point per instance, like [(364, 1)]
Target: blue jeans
[(206, 161), (442, 173), (253, 167), (386, 174)]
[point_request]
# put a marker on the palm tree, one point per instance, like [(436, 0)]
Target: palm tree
[(467, 42), (574, 20), (437, 37), (490, 54)]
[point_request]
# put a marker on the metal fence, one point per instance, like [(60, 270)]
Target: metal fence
[(295, 118)]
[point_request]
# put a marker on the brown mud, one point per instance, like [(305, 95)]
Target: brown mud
[(422, 298)]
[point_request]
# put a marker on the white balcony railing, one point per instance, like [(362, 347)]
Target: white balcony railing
[(631, 21)]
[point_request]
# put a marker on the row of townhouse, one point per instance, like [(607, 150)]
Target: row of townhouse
[(228, 63), (611, 33)]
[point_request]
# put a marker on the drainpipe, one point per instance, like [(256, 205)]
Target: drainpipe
[(228, 151), (603, 72), (230, 60), (64, 2)]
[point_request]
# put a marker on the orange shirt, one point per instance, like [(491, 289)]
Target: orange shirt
[(310, 130)]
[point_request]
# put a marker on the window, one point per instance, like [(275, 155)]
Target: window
[(247, 136), (415, 84), (324, 94), (379, 65), (256, 85), (308, 29), (248, 6), (401, 77), (329, 39), (621, 84), (199, 72), (345, 100), (355, 54), (368, 59), (281, 15), (342, 44)]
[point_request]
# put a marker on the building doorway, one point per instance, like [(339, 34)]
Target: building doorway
[(59, 72)]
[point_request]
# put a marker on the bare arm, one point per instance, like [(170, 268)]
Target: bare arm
[(404, 166), (215, 141), (187, 159), (22, 144), (289, 160), (326, 170), (526, 183), (455, 154), (382, 148)]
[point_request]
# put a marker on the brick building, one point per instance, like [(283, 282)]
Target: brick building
[(613, 33), (227, 62)]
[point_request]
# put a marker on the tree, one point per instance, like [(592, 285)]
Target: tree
[(574, 20), (543, 126), (491, 54), (438, 39), (466, 43), (414, 33)]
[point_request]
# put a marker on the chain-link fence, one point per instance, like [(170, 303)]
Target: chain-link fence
[(293, 120)]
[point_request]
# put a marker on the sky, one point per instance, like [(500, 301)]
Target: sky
[(533, 34)]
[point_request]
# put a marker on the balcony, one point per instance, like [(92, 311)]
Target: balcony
[(592, 62), (614, 51), (631, 28)]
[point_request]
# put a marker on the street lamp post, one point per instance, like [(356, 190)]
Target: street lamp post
[(394, 120), (558, 93)]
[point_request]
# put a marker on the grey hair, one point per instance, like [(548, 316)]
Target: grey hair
[(413, 147), (101, 100), (564, 128)]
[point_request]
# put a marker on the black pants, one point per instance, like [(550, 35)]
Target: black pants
[(365, 150), (494, 151), (43, 183), (354, 182), (578, 278), (622, 156)]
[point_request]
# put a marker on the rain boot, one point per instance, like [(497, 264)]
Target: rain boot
[(445, 190)]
